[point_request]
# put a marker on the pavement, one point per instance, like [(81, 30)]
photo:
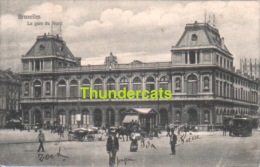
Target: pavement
[(209, 149), (19, 137)]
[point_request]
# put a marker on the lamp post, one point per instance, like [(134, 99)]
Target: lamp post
[(158, 87), (109, 113)]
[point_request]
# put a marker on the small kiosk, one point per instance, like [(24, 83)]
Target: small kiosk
[(145, 117)]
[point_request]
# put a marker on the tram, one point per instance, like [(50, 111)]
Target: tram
[(242, 125)]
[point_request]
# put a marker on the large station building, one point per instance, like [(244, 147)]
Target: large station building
[(205, 87)]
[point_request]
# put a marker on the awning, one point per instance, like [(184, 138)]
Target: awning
[(144, 110), (129, 118)]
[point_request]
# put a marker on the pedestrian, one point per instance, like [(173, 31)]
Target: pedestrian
[(168, 130), (224, 130), (112, 147), (196, 128), (230, 127), (61, 131), (186, 128), (173, 140), (134, 143), (41, 139)]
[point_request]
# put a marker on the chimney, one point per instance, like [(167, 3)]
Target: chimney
[(222, 42)]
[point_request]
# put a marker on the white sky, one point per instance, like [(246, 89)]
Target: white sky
[(143, 30)]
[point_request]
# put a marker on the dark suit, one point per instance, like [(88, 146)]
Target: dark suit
[(41, 139), (173, 140), (112, 148)]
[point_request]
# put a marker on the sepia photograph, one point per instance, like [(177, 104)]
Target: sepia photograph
[(130, 83)]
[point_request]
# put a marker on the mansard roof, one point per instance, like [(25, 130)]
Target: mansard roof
[(201, 35), (49, 45), (8, 76)]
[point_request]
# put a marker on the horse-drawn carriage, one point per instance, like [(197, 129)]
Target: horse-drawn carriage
[(81, 134)]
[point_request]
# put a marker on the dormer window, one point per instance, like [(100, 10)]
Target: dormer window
[(194, 37), (42, 47)]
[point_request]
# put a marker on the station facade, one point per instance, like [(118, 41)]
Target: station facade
[(200, 75)]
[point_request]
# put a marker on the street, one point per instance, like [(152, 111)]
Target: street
[(201, 149)]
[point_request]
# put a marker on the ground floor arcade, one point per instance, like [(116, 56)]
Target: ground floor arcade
[(113, 113)]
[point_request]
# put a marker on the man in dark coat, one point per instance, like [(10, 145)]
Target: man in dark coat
[(41, 139), (112, 147), (173, 141)]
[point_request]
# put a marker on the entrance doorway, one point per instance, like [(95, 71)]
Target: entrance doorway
[(37, 117), (97, 118), (192, 117), (163, 117)]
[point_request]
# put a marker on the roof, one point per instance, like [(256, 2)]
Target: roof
[(206, 35), (140, 111), (130, 118), (49, 45), (9, 76)]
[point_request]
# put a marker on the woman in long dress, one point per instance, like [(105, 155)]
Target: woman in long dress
[(134, 143)]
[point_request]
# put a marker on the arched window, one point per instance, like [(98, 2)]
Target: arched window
[(111, 84), (206, 83), (85, 118), (37, 88), (61, 91), (62, 117), (177, 85), (192, 87), (98, 86), (74, 88), (163, 84), (47, 88), (72, 118), (137, 85), (124, 83), (26, 89), (150, 84), (85, 83)]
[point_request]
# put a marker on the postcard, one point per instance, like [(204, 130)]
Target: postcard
[(129, 83)]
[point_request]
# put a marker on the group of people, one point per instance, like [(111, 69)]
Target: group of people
[(227, 127), (112, 145)]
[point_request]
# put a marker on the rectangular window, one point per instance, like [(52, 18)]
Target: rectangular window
[(186, 58), (198, 57), (216, 88), (192, 88), (220, 88)]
